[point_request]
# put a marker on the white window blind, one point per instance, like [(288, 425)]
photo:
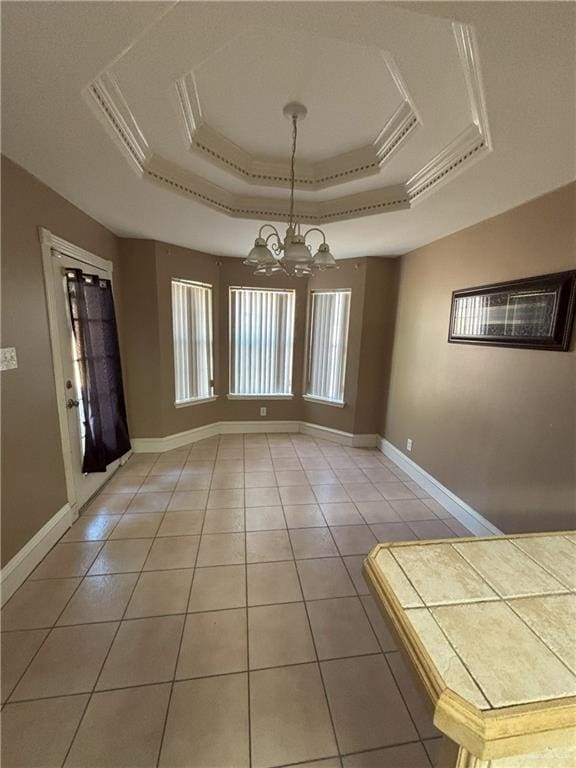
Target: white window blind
[(261, 341), (327, 345), (192, 326)]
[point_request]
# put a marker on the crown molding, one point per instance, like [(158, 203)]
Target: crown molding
[(356, 164), (108, 103)]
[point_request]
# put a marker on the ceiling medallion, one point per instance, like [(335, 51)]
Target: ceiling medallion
[(293, 255)]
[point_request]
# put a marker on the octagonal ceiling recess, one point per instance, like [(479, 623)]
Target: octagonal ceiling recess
[(206, 120)]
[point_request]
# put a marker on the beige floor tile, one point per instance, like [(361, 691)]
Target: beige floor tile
[(264, 518), (322, 477), (172, 552), (181, 523), (197, 467), (366, 706), (341, 513), (416, 489), (291, 477), (380, 475), (140, 526), (393, 532), (124, 485), (229, 466), (99, 598), (279, 635), (312, 542), (283, 463), (37, 603), (121, 728), (108, 504), (37, 734), (159, 483), (411, 510), (188, 500), (297, 494), (353, 565), (330, 494), (266, 546), (270, 583), (144, 651), (304, 516), (316, 462), (378, 512), (194, 482), (226, 480), (329, 762), (353, 475), (122, 556), (159, 593), (92, 528), (260, 479), (226, 499), (405, 756), (414, 695), (224, 520), (381, 629), (196, 707), (214, 643), (395, 490), (457, 527), (289, 717), (66, 560), (363, 492), (218, 587), (262, 465), (432, 529), (432, 504), (68, 662), (262, 497), (326, 577), (222, 549), (18, 648), (341, 628), (149, 502), (353, 539)]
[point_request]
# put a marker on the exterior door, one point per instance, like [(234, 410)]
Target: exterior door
[(83, 485)]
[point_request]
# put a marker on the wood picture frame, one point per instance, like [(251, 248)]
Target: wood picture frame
[(531, 313)]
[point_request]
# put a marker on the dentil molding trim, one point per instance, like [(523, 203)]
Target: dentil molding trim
[(109, 104)]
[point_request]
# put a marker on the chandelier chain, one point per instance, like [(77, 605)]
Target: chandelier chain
[(292, 171)]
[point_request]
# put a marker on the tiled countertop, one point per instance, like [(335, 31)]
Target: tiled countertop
[(490, 627)]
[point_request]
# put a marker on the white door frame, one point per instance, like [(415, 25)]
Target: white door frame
[(51, 243)]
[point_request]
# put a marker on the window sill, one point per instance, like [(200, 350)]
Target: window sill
[(196, 402), (260, 397), (321, 401)]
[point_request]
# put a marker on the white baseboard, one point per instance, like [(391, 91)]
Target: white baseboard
[(23, 563), (462, 511), (180, 439)]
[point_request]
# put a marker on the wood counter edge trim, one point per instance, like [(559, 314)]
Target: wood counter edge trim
[(489, 734)]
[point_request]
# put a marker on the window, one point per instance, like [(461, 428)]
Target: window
[(329, 313), (261, 341), (192, 326)]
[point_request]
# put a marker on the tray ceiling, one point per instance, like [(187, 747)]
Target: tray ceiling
[(173, 111)]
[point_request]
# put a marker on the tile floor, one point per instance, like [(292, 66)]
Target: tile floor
[(207, 610)]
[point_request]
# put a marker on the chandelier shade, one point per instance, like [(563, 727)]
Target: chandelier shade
[(292, 255)]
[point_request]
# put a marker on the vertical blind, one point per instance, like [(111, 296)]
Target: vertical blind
[(327, 344), (192, 326), (261, 341)]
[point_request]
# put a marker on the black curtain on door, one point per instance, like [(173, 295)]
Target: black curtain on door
[(98, 354)]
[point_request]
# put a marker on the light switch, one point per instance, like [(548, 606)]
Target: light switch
[(8, 358)]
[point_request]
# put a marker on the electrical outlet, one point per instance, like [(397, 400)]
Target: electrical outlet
[(409, 444), (263, 411)]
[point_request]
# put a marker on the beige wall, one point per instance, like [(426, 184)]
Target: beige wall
[(33, 484), (496, 426)]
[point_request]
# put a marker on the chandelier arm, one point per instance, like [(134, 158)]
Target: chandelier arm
[(272, 227), (315, 229)]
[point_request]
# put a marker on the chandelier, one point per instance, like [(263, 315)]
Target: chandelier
[(293, 255)]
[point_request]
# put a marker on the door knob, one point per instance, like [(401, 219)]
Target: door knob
[(71, 403)]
